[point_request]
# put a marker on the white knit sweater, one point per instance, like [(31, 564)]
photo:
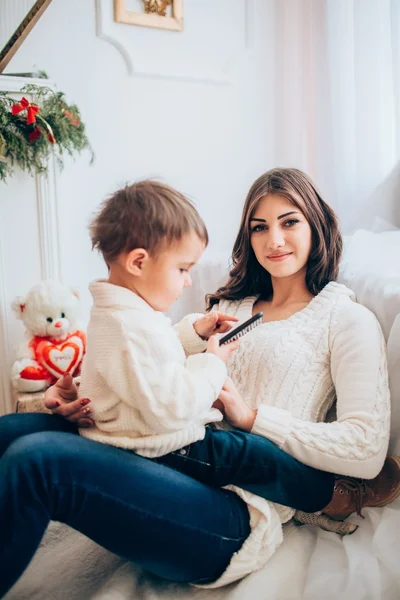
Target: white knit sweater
[(146, 395), (291, 371)]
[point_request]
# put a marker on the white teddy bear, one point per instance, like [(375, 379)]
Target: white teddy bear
[(55, 345)]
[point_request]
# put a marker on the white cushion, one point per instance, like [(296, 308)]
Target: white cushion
[(394, 373), (383, 202), (380, 225), (371, 268)]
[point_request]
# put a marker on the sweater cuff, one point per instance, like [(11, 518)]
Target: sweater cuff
[(273, 423), (192, 343)]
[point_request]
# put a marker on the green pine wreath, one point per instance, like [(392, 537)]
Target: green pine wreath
[(30, 131)]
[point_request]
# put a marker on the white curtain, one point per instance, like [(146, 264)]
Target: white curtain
[(337, 90), (337, 117)]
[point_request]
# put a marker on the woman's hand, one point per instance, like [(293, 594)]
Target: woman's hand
[(214, 322), (223, 352), (62, 399), (233, 407)]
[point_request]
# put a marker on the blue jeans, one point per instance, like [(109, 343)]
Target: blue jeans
[(255, 464), (154, 516)]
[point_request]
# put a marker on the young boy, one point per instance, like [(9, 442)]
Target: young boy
[(151, 385)]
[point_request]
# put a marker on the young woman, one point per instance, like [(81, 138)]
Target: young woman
[(316, 346)]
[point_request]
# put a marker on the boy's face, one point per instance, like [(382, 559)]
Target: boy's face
[(166, 274)]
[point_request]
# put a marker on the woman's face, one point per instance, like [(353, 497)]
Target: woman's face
[(280, 236)]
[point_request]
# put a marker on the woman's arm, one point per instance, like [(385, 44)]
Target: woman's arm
[(356, 444)]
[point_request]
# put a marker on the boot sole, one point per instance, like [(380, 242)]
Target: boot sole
[(396, 492)]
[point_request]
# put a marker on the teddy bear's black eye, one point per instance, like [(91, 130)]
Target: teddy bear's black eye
[(49, 320), (63, 315)]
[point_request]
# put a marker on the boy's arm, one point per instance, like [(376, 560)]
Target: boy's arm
[(192, 343), (195, 329), (149, 374)]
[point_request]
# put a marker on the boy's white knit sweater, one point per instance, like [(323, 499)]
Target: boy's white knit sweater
[(146, 395), (291, 371)]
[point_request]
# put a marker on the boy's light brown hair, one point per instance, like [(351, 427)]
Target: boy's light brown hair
[(147, 214)]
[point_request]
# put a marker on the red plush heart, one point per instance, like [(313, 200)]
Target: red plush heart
[(61, 358)]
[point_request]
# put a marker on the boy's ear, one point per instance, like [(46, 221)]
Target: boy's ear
[(135, 260)]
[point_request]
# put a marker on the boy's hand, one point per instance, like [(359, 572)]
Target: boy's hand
[(223, 352), (214, 322)]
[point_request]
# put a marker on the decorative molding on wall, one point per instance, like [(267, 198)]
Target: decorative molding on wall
[(6, 402), (44, 188), (185, 56), (249, 21), (46, 202), (9, 83)]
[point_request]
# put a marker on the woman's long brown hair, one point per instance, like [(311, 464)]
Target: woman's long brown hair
[(247, 277)]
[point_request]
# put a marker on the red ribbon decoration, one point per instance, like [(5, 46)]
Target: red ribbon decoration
[(32, 110), (34, 135)]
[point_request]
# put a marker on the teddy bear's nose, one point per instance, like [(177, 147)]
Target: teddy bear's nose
[(58, 324)]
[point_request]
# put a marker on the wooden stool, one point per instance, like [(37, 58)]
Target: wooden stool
[(33, 402)]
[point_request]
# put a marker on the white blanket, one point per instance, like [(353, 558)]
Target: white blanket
[(310, 565)]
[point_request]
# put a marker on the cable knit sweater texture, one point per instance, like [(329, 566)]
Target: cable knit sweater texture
[(291, 371)]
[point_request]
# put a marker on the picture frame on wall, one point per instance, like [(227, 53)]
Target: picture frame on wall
[(161, 14)]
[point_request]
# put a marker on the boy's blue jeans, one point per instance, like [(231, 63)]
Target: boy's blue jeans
[(162, 520), (255, 464)]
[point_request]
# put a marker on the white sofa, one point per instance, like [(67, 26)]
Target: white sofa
[(311, 564)]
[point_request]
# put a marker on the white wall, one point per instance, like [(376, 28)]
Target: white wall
[(210, 140)]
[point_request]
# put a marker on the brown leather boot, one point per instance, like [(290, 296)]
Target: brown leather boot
[(352, 495)]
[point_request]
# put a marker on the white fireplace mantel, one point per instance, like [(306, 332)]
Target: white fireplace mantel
[(29, 249)]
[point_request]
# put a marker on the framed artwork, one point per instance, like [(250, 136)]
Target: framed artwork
[(19, 35), (162, 14)]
